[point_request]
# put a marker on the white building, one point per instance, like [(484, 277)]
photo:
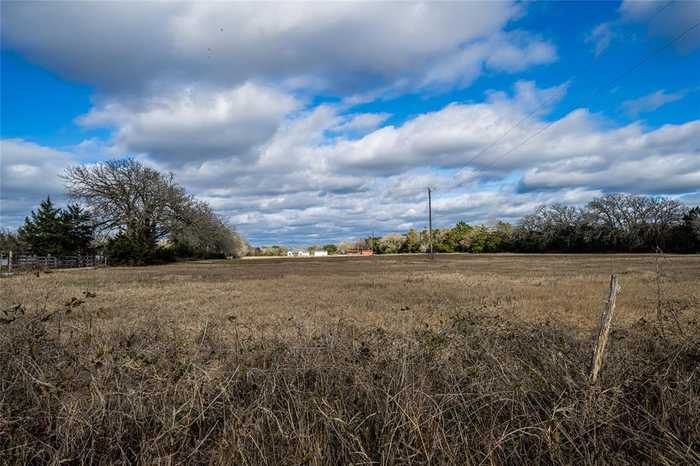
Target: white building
[(302, 253), (320, 253)]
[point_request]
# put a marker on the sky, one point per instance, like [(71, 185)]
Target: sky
[(307, 123)]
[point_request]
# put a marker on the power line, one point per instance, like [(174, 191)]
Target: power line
[(545, 102), (617, 78), (597, 90)]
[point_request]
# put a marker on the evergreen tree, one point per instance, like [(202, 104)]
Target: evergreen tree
[(78, 230), (55, 231), (44, 230)]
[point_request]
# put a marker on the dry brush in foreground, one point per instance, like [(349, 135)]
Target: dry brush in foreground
[(480, 390)]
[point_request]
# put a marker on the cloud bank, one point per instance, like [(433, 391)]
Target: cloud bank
[(253, 108)]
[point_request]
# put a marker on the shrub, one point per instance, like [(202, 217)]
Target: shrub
[(123, 250)]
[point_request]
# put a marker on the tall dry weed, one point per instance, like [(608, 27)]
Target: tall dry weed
[(481, 390)]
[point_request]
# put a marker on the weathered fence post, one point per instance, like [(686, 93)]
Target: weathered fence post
[(9, 262), (604, 331)]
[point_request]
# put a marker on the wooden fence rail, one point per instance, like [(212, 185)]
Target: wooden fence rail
[(10, 261)]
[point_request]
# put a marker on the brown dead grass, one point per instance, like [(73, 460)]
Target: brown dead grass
[(383, 360), (396, 293)]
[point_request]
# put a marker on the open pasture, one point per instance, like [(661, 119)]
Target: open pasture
[(394, 293), (480, 359)]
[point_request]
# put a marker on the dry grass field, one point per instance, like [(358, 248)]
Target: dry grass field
[(278, 297), (479, 359)]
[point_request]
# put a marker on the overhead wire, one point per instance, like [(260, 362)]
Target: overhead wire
[(607, 85), (547, 101)]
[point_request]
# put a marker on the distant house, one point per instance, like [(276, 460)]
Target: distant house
[(359, 252), (302, 253), (320, 253), (290, 254)]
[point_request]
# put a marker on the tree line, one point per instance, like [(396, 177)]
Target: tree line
[(129, 212), (610, 223), (134, 214)]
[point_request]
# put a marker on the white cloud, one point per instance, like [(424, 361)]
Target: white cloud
[(446, 138), (518, 50), (691, 199), (668, 20), (327, 172), (529, 98), (650, 102), (671, 20), (301, 186), (507, 52), (28, 173), (194, 123), (304, 183), (666, 160), (335, 45), (361, 122), (220, 93), (601, 37)]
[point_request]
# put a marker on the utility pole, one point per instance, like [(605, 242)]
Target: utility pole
[(430, 224)]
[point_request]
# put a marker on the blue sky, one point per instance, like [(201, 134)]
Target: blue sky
[(310, 123)]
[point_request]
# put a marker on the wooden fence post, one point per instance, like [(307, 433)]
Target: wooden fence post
[(604, 331), (9, 262)]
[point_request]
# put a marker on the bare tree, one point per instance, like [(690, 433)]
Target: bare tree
[(553, 226), (127, 197), (660, 215), (11, 241), (205, 233), (636, 220)]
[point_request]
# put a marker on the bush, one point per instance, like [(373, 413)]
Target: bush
[(122, 250)]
